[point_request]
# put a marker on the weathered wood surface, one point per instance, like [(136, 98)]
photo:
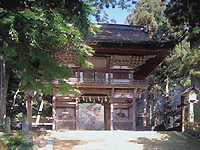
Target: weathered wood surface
[(29, 112)]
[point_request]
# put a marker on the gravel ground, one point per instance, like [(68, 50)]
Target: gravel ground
[(121, 140)]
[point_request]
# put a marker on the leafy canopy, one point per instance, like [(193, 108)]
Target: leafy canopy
[(32, 30), (184, 17), (150, 13)]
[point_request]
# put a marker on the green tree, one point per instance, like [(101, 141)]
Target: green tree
[(150, 13), (31, 31), (184, 17), (171, 75)]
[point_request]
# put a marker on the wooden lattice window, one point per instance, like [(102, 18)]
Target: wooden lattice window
[(120, 76)]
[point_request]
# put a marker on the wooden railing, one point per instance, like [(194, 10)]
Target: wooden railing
[(75, 81), (193, 128)]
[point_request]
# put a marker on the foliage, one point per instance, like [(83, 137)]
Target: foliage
[(33, 30), (184, 15), (177, 68), (1, 126), (16, 106), (14, 142), (150, 13), (47, 106)]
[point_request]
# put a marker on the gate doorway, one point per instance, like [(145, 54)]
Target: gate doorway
[(91, 116)]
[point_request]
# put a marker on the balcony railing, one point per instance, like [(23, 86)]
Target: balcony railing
[(82, 81)]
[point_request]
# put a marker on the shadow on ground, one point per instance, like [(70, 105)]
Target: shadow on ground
[(169, 141), (122, 140), (63, 144)]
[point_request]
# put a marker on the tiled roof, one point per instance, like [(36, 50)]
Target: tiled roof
[(116, 33)]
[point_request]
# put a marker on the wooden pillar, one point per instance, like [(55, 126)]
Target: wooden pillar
[(131, 79), (111, 115), (77, 114), (107, 121), (182, 114), (109, 73), (134, 115), (134, 107), (105, 116), (150, 114), (191, 112), (155, 117), (29, 112), (78, 76), (144, 119), (54, 113), (109, 118)]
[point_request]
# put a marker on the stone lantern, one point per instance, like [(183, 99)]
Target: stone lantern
[(191, 98)]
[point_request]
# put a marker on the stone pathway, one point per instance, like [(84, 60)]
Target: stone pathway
[(120, 140)]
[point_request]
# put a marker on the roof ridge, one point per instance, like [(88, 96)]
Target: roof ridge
[(121, 27)]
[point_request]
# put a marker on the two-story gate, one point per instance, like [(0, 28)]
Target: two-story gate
[(124, 57)]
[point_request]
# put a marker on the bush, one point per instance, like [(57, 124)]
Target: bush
[(14, 142)]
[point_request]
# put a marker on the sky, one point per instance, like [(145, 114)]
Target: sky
[(116, 13)]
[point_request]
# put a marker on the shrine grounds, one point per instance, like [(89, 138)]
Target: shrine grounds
[(116, 140)]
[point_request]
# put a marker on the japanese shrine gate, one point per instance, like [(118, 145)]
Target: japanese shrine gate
[(124, 57)]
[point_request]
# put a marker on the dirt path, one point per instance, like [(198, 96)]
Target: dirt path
[(121, 140)]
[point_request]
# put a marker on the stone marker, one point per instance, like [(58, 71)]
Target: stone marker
[(25, 126), (7, 125), (25, 130)]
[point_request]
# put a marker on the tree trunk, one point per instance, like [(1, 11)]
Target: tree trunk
[(3, 106)]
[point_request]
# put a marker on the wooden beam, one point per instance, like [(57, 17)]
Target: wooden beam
[(108, 86), (63, 98), (123, 121), (65, 103), (95, 91), (122, 100), (69, 120)]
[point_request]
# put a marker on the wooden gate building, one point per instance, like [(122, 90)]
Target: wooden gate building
[(124, 57)]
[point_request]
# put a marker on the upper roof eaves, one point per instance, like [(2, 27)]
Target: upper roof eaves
[(118, 33)]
